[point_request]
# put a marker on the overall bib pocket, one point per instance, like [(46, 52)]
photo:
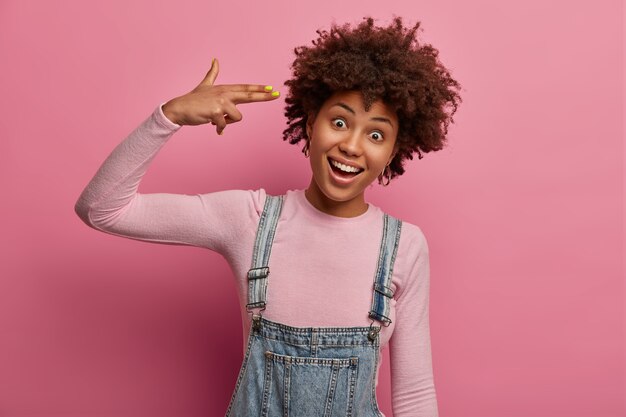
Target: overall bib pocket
[(299, 386)]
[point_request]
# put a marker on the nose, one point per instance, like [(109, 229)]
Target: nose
[(351, 144)]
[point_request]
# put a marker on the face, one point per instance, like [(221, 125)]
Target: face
[(349, 148)]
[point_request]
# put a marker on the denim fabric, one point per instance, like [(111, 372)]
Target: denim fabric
[(310, 371), (386, 258), (257, 276), (306, 372)]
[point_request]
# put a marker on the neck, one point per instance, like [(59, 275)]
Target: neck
[(349, 208)]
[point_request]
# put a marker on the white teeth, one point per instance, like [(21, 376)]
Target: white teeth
[(343, 167)]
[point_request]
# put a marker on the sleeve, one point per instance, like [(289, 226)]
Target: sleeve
[(413, 389), (110, 202)]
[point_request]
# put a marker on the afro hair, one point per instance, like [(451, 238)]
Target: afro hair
[(383, 63)]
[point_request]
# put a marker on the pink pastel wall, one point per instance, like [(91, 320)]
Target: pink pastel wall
[(523, 212)]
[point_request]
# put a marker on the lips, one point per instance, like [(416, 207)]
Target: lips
[(345, 162), (340, 177)]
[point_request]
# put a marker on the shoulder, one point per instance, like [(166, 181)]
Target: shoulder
[(412, 259), (412, 239), (413, 242), (248, 201)]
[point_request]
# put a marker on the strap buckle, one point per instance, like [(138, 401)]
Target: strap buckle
[(258, 273), (256, 318), (373, 332)]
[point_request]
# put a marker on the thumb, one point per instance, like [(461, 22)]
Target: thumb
[(210, 77)]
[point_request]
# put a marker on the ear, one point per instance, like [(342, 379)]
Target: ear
[(396, 148), (309, 124)]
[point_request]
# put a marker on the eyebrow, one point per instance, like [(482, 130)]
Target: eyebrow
[(376, 118)]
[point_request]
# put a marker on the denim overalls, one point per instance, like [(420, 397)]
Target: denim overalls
[(310, 371)]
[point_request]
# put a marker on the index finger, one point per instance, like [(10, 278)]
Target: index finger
[(239, 97), (259, 88)]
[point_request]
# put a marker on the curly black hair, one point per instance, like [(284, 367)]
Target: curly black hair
[(383, 63)]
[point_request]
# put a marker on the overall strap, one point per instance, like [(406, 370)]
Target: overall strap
[(259, 271), (386, 258)]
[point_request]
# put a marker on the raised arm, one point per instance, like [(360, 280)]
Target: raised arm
[(110, 201)]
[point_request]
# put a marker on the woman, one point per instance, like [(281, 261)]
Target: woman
[(346, 278)]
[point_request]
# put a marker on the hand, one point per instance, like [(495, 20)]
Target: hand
[(215, 104)]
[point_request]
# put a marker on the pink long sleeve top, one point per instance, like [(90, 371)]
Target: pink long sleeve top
[(315, 256)]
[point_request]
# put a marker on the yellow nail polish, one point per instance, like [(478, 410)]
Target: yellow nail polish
[(275, 94), (268, 88)]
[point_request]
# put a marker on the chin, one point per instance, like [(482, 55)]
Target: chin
[(340, 195)]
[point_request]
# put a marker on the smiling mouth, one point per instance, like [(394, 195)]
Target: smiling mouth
[(344, 171)]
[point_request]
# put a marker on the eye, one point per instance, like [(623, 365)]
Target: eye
[(339, 122), (376, 135)]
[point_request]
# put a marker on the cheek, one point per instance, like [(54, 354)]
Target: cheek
[(323, 139), (317, 150), (379, 159)]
